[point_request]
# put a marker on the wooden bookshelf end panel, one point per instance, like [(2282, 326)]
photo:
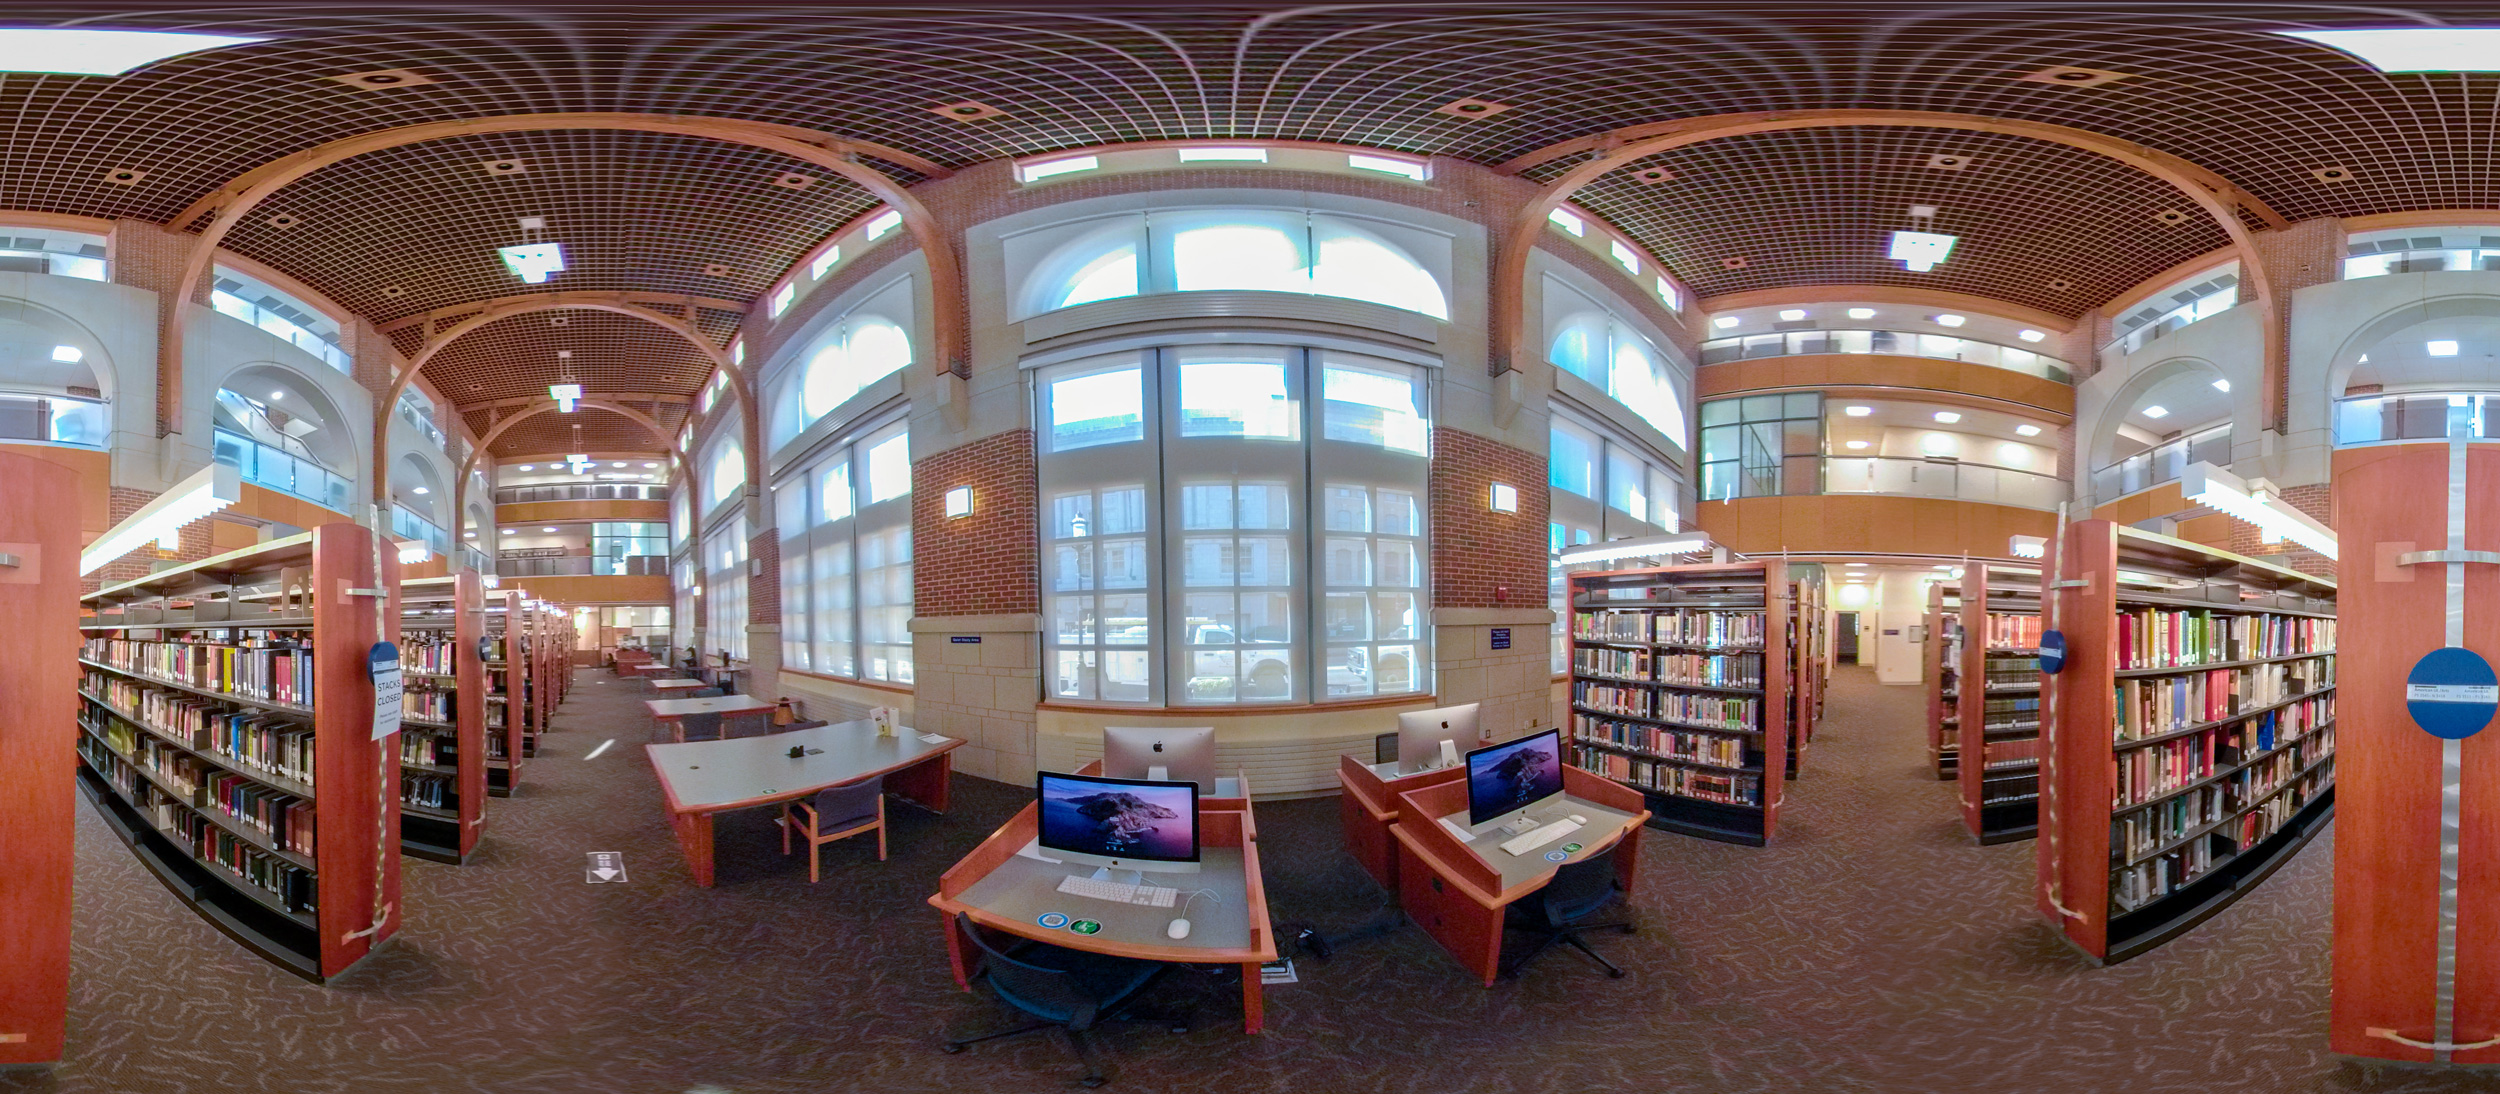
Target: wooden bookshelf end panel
[(356, 777), (38, 804)]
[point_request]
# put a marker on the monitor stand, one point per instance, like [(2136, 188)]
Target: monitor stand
[(1159, 773), (1449, 754), (1134, 877)]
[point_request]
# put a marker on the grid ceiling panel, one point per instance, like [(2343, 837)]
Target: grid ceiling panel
[(585, 430), (515, 357), (1816, 206)]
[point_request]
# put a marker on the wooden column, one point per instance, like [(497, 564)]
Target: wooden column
[(38, 758)]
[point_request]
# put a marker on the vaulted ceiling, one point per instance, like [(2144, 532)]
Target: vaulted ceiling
[(394, 233)]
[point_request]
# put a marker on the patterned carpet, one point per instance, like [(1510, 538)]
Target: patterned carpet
[(1873, 948)]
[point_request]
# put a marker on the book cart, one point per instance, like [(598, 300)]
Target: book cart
[(1997, 702), (442, 742), (1674, 694), (1940, 669), (226, 735), (2190, 738)]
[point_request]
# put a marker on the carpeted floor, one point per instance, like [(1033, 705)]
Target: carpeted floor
[(1873, 948)]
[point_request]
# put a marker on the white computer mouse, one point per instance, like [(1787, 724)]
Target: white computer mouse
[(1578, 819), (1178, 929)]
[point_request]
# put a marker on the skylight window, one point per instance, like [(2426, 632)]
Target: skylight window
[(782, 297), (534, 262), (1919, 252), (1036, 172), (1235, 155), (1388, 165), (816, 269), (99, 52), (884, 222), (1562, 218), (1668, 293), (1625, 257), (2414, 49)]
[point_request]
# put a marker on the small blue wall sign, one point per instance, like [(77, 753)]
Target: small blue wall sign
[(2451, 693), (964, 639), (1500, 639), (2052, 652)]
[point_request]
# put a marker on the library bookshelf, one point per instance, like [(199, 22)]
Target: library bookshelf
[(1675, 692), (442, 739), (2190, 738), (1940, 668), (38, 809), (507, 686), (1997, 702), (226, 735), (1806, 675)]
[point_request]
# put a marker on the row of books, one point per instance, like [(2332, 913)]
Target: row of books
[(266, 672), (2010, 789), (428, 653), (2151, 638), (1734, 713), (1721, 670), (2142, 883), (431, 791), (1700, 748), (1728, 789), (180, 821), (1609, 661), (259, 740), (285, 819), (2165, 766), (2019, 753), (1687, 626), (2020, 632), (2010, 711), (2151, 706), (430, 749), (429, 704), (2012, 670)]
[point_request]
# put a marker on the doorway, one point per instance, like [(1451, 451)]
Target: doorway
[(1845, 637)]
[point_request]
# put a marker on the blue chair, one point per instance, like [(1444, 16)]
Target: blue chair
[(838, 812), (1564, 909), (1070, 990)]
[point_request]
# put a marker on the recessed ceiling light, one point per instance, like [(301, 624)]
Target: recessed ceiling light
[(423, 490), (1861, 313), (1947, 161), (84, 52), (503, 167), (470, 535), (1857, 444), (651, 465), (2441, 348), (2331, 174), (2156, 412), (546, 529), (1791, 315), (1653, 175), (274, 396), (715, 269), (1856, 565), (2171, 216), (68, 354), (124, 176), (1471, 108), (1948, 417), (393, 291), (1725, 321), (383, 78), (1736, 263), (792, 180), (533, 262), (1950, 320), (2071, 76), (529, 467), (1857, 411), (2222, 385), (2414, 49), (2027, 430), (966, 111), (509, 531), (619, 463), (2059, 284), (283, 221), (1919, 252), (2029, 335)]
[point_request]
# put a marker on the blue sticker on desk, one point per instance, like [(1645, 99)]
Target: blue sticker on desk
[(2451, 693), (1053, 920), (2053, 652), (1556, 856), (1085, 926)]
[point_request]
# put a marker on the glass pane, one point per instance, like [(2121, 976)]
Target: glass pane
[(1572, 460), (1124, 676), (1073, 620), (1398, 514), (1123, 511), (1394, 615), (1077, 675), (1395, 670), (834, 491), (1265, 505), (1266, 675), (1210, 676), (1211, 620), (1238, 256), (1207, 505), (1718, 412), (1349, 671), (1348, 560), (889, 468), (1396, 565), (1235, 399), (1371, 407), (1348, 616), (1072, 566), (1123, 620), (1207, 560), (1354, 264), (1072, 516), (1347, 508), (1123, 564), (1266, 619), (1264, 560), (1106, 407)]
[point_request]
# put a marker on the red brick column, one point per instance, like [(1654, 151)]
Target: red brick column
[(1480, 558), (988, 563)]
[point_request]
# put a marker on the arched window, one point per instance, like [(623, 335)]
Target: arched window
[(1589, 341), (1254, 250), (845, 357), (726, 474), (48, 387), (281, 433)]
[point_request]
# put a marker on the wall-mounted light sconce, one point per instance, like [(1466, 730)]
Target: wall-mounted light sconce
[(959, 502), (1505, 498)]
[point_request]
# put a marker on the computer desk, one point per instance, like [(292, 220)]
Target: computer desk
[(1003, 890), (1458, 892), (700, 778), (1369, 809)]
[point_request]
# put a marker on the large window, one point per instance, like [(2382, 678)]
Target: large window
[(846, 592), (2180, 305), (240, 295), (628, 547), (848, 354), (725, 581), (1759, 446), (682, 617), (1591, 342), (725, 473), (1197, 250), (2421, 250), (1601, 487), (1213, 533)]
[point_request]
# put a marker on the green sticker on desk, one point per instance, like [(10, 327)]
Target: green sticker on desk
[(1572, 848), (1085, 926)]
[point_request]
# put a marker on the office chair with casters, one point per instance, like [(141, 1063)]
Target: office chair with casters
[(1071, 990), (699, 727), (817, 724), (838, 812), (1385, 748), (1563, 909)]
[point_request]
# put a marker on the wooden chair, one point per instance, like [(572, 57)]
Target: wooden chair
[(838, 812)]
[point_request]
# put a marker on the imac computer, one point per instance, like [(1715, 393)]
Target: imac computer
[(1429, 739), (1511, 778), (1161, 755), (1118, 824)]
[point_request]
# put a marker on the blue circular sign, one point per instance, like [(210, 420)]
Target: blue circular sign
[(1054, 920), (2052, 652), (1556, 856), (2451, 693)]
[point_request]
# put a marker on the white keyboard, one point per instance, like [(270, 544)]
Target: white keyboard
[(1118, 892), (1539, 837)]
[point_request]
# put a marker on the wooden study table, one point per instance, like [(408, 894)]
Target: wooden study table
[(701, 778), (1004, 890), (1368, 809), (674, 711), (648, 670), (1458, 891), (667, 686)]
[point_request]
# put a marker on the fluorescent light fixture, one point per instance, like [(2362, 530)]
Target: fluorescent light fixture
[(1682, 543), (1389, 165), (413, 551), (68, 355), (1948, 417), (510, 531), (2222, 385), (2027, 547), (884, 222), (823, 262), (959, 502), (1791, 315), (1919, 252), (85, 52), (1861, 313), (2029, 335), (652, 463), (1855, 565), (1857, 444), (1232, 154), (2414, 49), (468, 535), (208, 490), (546, 529), (1625, 257), (782, 297), (565, 396), (1505, 498), (2156, 412), (1949, 319), (1725, 321), (2215, 488), (619, 463), (1857, 411), (2027, 430), (533, 262), (1564, 220), (2441, 348), (1666, 292), (1036, 172)]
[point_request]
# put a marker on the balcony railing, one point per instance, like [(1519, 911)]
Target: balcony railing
[(276, 470), (2164, 462), (1940, 478), (1898, 343), (285, 328), (2412, 416), (582, 491), (53, 418), (407, 525)]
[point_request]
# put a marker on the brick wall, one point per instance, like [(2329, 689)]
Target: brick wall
[(1480, 558), (196, 539), (150, 256), (2308, 253), (2319, 502), (764, 580), (988, 563)]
